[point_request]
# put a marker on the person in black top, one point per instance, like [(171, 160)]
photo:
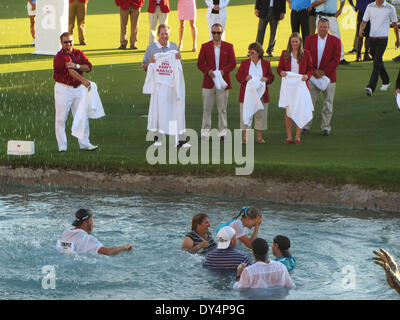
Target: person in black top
[(199, 240), (269, 11)]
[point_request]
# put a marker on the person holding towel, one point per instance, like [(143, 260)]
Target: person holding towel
[(257, 72), (297, 60)]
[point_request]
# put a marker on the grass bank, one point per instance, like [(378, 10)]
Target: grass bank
[(363, 148)]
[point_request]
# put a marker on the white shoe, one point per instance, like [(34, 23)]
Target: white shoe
[(33, 42), (90, 148), (157, 144), (186, 145), (368, 91), (384, 87)]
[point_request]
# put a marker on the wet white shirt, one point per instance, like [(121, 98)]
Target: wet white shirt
[(84, 242), (237, 225), (263, 275)]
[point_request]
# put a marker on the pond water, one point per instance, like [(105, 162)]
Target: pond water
[(333, 247)]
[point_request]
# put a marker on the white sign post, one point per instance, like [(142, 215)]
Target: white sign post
[(51, 22)]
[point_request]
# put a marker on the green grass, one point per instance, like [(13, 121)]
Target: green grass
[(363, 148)]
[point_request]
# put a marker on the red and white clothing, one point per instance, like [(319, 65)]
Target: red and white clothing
[(67, 95), (158, 11), (265, 275), (166, 84)]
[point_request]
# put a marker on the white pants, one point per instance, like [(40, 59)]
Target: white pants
[(333, 30), (215, 18), (159, 16), (67, 98)]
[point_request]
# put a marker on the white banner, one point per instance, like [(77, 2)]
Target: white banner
[(51, 22)]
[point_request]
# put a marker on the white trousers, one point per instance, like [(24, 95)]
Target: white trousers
[(215, 18), (333, 30), (159, 16), (67, 98)]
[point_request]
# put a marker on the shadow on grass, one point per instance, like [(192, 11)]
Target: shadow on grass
[(13, 46)]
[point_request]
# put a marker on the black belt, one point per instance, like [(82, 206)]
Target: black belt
[(302, 10), (326, 14)]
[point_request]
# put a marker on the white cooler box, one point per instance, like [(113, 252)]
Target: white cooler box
[(21, 148)]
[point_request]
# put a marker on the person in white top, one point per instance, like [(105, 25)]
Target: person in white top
[(381, 15), (249, 217), (216, 13), (79, 237), (264, 273)]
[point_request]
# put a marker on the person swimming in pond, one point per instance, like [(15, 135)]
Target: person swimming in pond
[(78, 239), (280, 249), (199, 240), (248, 217)]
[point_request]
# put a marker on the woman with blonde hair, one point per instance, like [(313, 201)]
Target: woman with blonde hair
[(298, 60)]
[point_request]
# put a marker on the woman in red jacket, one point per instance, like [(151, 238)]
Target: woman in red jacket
[(258, 68), (298, 60)]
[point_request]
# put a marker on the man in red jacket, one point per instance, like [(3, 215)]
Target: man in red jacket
[(216, 55), (129, 8), (77, 10), (325, 52), (158, 11)]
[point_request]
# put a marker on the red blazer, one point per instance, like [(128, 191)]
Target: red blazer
[(243, 72), (206, 62), (305, 65), (124, 4), (331, 56), (164, 6)]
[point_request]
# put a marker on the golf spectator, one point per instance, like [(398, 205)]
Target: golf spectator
[(158, 11), (360, 8), (79, 237), (280, 249), (69, 65), (31, 6), (298, 60), (264, 273), (225, 256), (328, 10), (199, 239), (269, 12), (216, 14), (77, 11), (258, 70), (381, 15), (300, 16), (187, 11), (216, 60), (249, 217), (129, 8), (325, 54)]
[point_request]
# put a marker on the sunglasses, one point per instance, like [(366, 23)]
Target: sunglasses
[(68, 41), (216, 32)]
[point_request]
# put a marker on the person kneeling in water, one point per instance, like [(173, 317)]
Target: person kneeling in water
[(280, 249), (79, 239), (248, 217)]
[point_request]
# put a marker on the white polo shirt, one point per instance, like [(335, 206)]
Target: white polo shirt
[(380, 18), (83, 242)]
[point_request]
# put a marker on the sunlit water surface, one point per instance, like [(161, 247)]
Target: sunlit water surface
[(333, 247)]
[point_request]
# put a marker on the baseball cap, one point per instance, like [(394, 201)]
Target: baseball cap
[(225, 236), (81, 215)]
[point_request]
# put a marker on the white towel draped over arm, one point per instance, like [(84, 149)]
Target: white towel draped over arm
[(321, 83), (90, 107), (219, 82), (296, 98), (252, 99)]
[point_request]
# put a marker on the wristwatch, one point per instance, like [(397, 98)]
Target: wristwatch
[(77, 66)]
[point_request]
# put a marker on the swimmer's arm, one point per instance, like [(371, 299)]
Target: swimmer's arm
[(187, 244), (115, 250)]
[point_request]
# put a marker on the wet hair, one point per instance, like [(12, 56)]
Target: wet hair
[(65, 34), (288, 52), (283, 243), (81, 216), (198, 219), (258, 48), (161, 26), (251, 212), (260, 249)]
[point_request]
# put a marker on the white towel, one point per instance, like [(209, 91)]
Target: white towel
[(296, 98), (321, 83), (219, 82), (90, 107), (252, 100), (398, 100)]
